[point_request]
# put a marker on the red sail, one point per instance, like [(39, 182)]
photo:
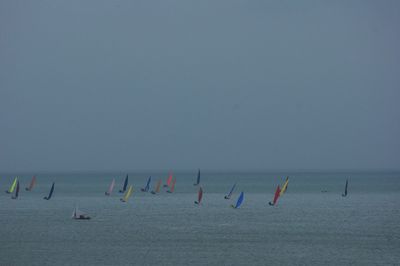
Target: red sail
[(173, 185), (200, 195), (169, 179), (277, 193)]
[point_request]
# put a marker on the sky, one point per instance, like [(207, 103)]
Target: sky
[(218, 85)]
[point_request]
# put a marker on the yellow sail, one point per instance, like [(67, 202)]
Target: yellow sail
[(13, 185), (284, 186), (128, 193)]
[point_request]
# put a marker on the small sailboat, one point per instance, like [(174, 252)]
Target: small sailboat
[(32, 184), (285, 186), (199, 196), (12, 187), (15, 196), (230, 192), (79, 215), (147, 187), (125, 185), (127, 194), (239, 201), (168, 180), (157, 187), (198, 179), (171, 190), (110, 189), (277, 193), (50, 193), (345, 189)]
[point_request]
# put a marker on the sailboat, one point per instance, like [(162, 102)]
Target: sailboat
[(32, 184), (171, 190), (277, 193), (79, 215), (110, 189), (15, 196), (11, 189), (285, 186), (198, 179), (168, 180), (230, 192), (199, 196), (345, 189), (147, 187), (125, 185), (127, 194), (157, 187), (239, 201), (50, 193)]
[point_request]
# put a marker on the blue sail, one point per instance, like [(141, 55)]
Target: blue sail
[(230, 192), (198, 178), (148, 184), (51, 193), (239, 201), (125, 185)]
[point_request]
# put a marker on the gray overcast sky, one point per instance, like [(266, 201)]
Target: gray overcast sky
[(240, 85)]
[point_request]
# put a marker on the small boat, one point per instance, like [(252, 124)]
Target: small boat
[(79, 215), (171, 190), (110, 189), (157, 187), (32, 184), (285, 186), (12, 187), (199, 196), (345, 189), (168, 180), (277, 193), (147, 187), (125, 185), (15, 196), (198, 179), (230, 192), (239, 201), (50, 193), (127, 194)]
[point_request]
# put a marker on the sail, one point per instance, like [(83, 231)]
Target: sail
[(110, 189), (198, 178), (127, 194), (169, 179), (277, 193), (11, 189), (125, 185), (148, 184), (230, 192), (78, 214), (50, 193), (239, 200), (345, 188), (200, 195), (173, 185), (284, 187), (32, 184), (15, 196), (158, 186)]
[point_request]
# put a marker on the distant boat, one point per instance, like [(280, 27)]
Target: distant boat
[(157, 187), (171, 190), (285, 186), (79, 215), (230, 192), (15, 196), (199, 196), (168, 180), (110, 189), (198, 179), (277, 193), (239, 201), (50, 193), (127, 194), (147, 187), (345, 189), (11, 189), (32, 184), (125, 185)]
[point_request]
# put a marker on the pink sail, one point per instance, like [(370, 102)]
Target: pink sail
[(110, 189), (169, 179), (200, 195), (32, 184)]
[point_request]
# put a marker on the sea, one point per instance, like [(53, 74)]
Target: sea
[(311, 224)]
